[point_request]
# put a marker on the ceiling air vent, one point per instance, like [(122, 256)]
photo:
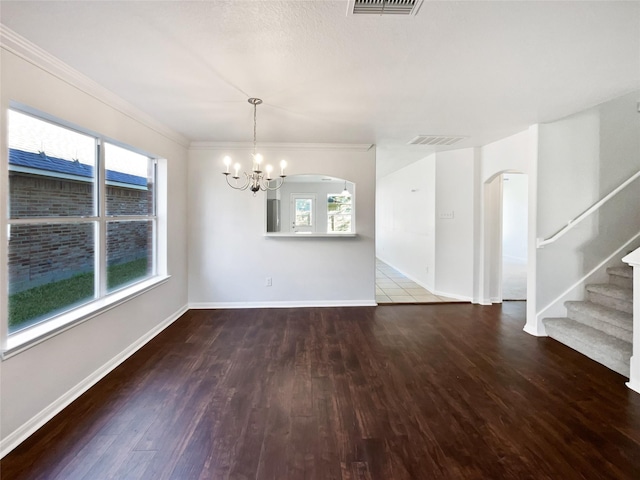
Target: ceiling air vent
[(435, 140), (383, 7)]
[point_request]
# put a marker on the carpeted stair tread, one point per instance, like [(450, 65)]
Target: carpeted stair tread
[(621, 276), (613, 291), (609, 320), (621, 271), (612, 296), (608, 350)]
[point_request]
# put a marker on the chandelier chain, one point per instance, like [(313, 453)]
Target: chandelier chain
[(254, 128)]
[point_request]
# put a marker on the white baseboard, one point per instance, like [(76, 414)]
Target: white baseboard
[(483, 302), (20, 434), (299, 304), (634, 373), (635, 386), (535, 330), (451, 295)]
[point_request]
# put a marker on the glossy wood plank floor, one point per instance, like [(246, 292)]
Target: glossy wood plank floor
[(395, 392)]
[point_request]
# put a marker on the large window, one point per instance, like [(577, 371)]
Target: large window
[(81, 219)]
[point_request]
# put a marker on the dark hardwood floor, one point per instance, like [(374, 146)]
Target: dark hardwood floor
[(394, 392)]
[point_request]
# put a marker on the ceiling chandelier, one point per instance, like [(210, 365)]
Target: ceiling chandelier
[(256, 180)]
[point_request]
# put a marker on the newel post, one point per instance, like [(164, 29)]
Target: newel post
[(633, 259)]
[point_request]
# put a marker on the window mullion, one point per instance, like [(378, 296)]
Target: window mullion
[(154, 215), (101, 234), (41, 220)]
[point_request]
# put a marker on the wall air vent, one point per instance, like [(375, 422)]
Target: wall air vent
[(436, 140), (383, 7)]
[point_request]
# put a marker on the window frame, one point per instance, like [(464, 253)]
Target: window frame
[(15, 342)]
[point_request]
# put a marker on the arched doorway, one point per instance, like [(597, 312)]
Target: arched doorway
[(505, 237)]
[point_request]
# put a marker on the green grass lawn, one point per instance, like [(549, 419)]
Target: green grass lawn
[(29, 305)]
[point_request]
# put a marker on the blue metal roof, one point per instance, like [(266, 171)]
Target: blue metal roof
[(41, 161)]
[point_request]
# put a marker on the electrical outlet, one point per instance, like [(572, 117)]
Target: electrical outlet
[(446, 215), (268, 282)]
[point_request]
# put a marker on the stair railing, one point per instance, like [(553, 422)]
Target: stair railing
[(572, 223)]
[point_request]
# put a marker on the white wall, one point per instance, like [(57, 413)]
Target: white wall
[(455, 194), (230, 258), (39, 381), (405, 220), (581, 159), (506, 155)]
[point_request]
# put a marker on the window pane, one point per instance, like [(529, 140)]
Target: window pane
[(130, 182), (339, 204), (303, 212), (129, 252), (50, 270), (339, 213), (340, 223), (51, 169)]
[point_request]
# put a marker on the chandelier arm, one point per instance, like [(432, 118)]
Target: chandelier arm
[(236, 187), (278, 185)]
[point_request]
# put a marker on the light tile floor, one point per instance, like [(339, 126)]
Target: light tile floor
[(394, 287)]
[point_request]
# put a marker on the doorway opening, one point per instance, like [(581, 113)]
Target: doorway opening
[(506, 237), (514, 236)]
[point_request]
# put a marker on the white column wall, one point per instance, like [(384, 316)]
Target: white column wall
[(455, 194), (230, 257), (633, 259)]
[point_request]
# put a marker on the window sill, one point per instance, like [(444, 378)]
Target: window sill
[(22, 340), (309, 235)]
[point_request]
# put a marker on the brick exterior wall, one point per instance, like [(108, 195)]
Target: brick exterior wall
[(43, 253), (35, 196)]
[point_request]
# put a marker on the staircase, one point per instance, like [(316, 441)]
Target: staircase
[(601, 326)]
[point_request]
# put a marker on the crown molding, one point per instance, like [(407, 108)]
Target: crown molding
[(23, 48), (353, 147)]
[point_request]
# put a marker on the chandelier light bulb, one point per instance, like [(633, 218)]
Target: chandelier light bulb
[(237, 167), (269, 168), (227, 162), (283, 165), (258, 159)]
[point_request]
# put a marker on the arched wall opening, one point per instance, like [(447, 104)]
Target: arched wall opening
[(506, 233)]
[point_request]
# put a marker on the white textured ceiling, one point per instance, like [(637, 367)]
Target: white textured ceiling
[(480, 69)]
